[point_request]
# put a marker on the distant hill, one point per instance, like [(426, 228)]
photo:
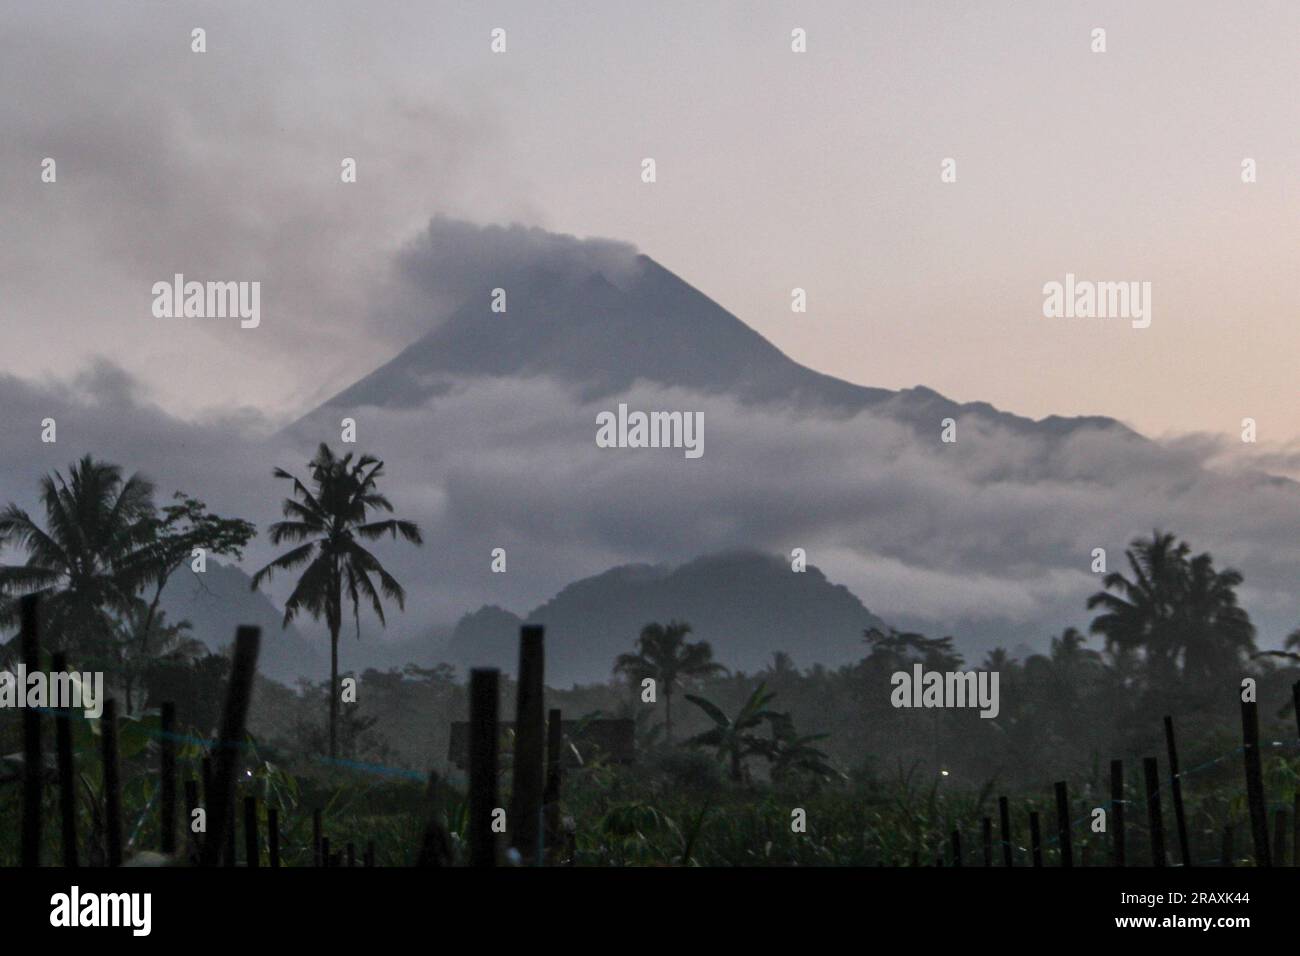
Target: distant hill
[(747, 605), (219, 600)]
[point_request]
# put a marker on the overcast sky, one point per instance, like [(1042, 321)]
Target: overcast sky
[(775, 170)]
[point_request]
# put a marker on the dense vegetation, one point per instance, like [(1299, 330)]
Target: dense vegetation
[(724, 757)]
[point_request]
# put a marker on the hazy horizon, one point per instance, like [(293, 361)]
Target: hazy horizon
[(1123, 166)]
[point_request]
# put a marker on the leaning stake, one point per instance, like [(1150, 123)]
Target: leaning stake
[(1063, 823), (1004, 811), (1155, 819), (530, 742), (1117, 811), (33, 762), (67, 773), (1176, 792), (112, 783), (1255, 782), (167, 767), (483, 685), (238, 697)]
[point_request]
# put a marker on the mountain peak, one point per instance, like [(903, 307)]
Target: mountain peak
[(600, 330)]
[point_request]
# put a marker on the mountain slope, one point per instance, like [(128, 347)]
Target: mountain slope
[(219, 600), (602, 335), (747, 605)]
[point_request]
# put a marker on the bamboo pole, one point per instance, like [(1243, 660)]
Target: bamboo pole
[(1155, 819), (229, 742), (1176, 793), (33, 760), (554, 778), (1255, 782), (1063, 823), (112, 783), (530, 742), (273, 837), (483, 730), (252, 846), (1004, 812), (1117, 812), (67, 774), (167, 768)]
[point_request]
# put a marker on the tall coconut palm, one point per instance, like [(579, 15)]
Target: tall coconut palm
[(1141, 612), (84, 561), (332, 518), (1214, 632), (664, 654)]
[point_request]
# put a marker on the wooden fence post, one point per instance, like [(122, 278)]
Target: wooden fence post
[(1117, 812), (1155, 819), (554, 777), (252, 846), (112, 783), (273, 837), (1063, 823), (483, 687), (316, 858), (530, 743), (1295, 831), (67, 773), (167, 767), (1004, 811), (230, 741), (191, 804), (1035, 838), (1255, 782), (1176, 792), (33, 761)]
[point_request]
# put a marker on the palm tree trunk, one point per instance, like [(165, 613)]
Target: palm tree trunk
[(334, 689)]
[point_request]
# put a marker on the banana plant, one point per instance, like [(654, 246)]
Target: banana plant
[(732, 737)]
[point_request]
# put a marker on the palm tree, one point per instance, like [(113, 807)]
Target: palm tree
[(998, 659), (731, 737), (1178, 610), (664, 654), (332, 518), (1214, 631), (1140, 615), (84, 561), (144, 639)]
